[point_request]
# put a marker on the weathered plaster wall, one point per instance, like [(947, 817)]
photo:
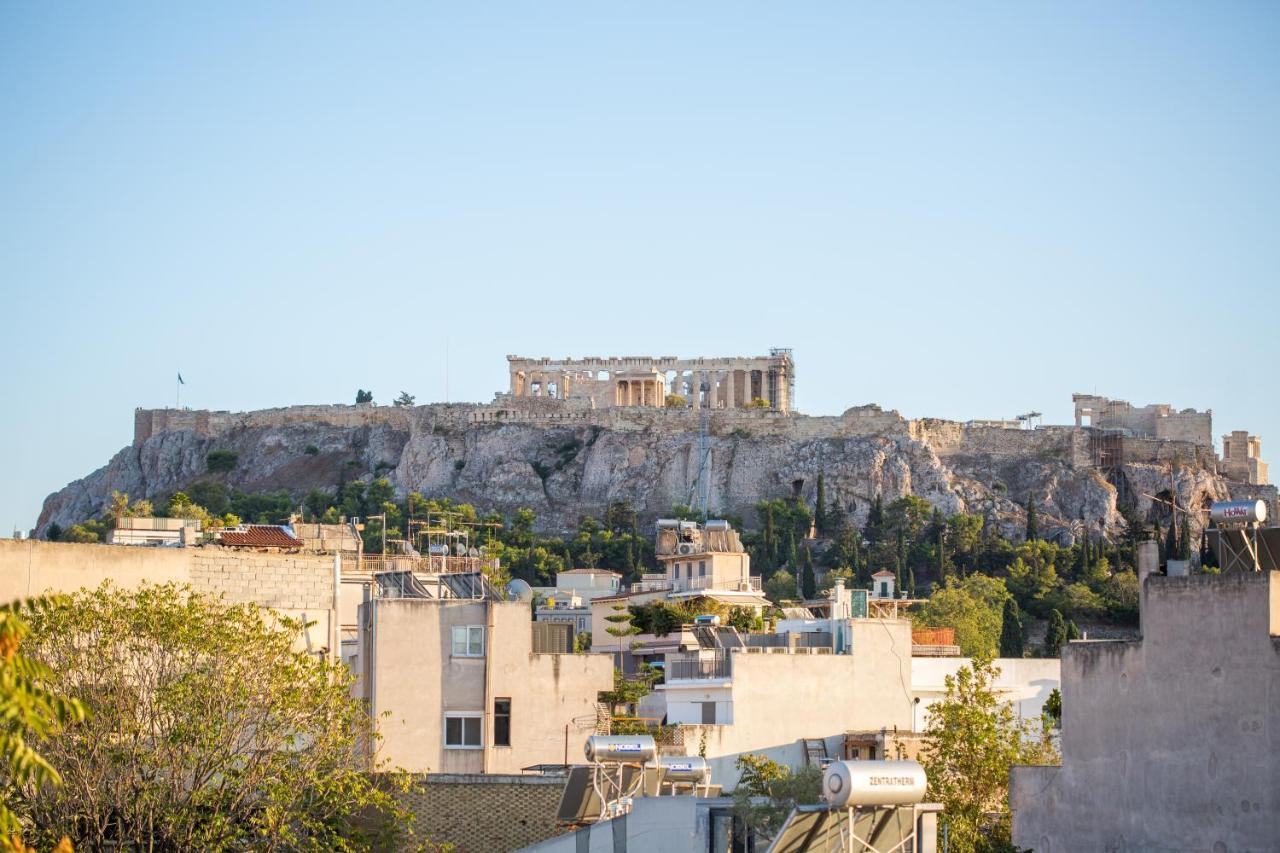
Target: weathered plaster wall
[(1171, 742)]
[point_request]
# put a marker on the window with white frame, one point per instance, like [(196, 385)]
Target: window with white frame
[(468, 641), (463, 731)]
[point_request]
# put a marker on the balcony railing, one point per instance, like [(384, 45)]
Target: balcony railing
[(689, 668), (434, 564)]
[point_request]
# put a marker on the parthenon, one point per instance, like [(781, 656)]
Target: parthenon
[(710, 383)]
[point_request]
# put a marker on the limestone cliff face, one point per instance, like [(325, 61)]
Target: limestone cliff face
[(564, 468)]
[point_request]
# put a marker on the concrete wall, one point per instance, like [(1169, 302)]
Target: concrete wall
[(1171, 742), (778, 699), (1026, 682), (654, 824), (296, 585), (481, 814), (411, 680)]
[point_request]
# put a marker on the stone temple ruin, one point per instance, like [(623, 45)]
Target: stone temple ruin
[(1241, 452), (703, 383)]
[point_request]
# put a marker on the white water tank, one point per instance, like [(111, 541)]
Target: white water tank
[(1238, 512), (873, 783), (631, 749), (686, 769)]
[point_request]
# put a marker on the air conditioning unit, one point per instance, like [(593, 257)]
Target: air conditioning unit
[(685, 548)]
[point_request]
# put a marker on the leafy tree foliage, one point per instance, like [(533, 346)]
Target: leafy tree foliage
[(205, 730), (1056, 635), (221, 461), (767, 792), (974, 737), (405, 399), (781, 587), (363, 396), (1011, 645), (31, 710), (974, 607)]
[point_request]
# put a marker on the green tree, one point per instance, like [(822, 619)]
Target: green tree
[(1033, 524), (767, 792), (363, 396), (405, 399), (1053, 707), (1056, 635), (820, 507), (676, 401), (1011, 630), (1073, 631), (808, 586), (780, 587), (973, 739), (620, 625), (205, 730), (31, 710), (974, 607)]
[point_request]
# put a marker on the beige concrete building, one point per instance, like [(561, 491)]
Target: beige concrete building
[(710, 383), (1242, 458), (698, 561), (1170, 742), (455, 687), (772, 700), (1158, 420), (162, 532)]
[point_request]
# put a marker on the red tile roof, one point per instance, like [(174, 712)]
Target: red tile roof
[(260, 536)]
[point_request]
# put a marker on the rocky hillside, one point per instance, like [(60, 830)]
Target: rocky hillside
[(566, 470)]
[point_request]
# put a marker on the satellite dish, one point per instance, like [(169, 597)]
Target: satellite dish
[(520, 590)]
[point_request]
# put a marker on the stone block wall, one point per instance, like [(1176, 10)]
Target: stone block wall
[(484, 813), (289, 582)]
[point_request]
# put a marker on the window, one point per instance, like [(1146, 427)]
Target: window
[(884, 589), (462, 731), (708, 713), (468, 641), (688, 570), (502, 722), (702, 568)]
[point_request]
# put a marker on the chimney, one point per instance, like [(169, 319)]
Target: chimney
[(1148, 564)]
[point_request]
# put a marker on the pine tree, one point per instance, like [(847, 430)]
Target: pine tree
[(820, 508), (875, 520), (1056, 635), (1033, 528), (1011, 630)]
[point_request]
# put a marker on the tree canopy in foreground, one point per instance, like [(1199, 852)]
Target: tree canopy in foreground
[(206, 730)]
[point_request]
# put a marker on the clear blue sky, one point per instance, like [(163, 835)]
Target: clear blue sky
[(954, 210)]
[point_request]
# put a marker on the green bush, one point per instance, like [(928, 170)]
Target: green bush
[(221, 460)]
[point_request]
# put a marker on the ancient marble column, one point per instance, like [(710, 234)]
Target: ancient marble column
[(729, 401)]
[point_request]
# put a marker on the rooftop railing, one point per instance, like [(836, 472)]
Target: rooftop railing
[(680, 668)]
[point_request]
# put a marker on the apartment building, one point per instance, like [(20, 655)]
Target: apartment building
[(455, 686)]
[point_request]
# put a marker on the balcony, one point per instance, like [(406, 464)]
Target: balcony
[(691, 667)]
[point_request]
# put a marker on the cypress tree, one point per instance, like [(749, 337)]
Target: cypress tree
[(1073, 632), (1184, 540), (1056, 635), (770, 538), (911, 583), (793, 561), (1011, 630), (1033, 528), (1171, 541), (942, 555), (1156, 536), (808, 586), (897, 575), (820, 508)]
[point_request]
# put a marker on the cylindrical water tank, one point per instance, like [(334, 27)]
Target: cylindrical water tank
[(632, 749), (680, 768), (873, 783), (1238, 512)]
